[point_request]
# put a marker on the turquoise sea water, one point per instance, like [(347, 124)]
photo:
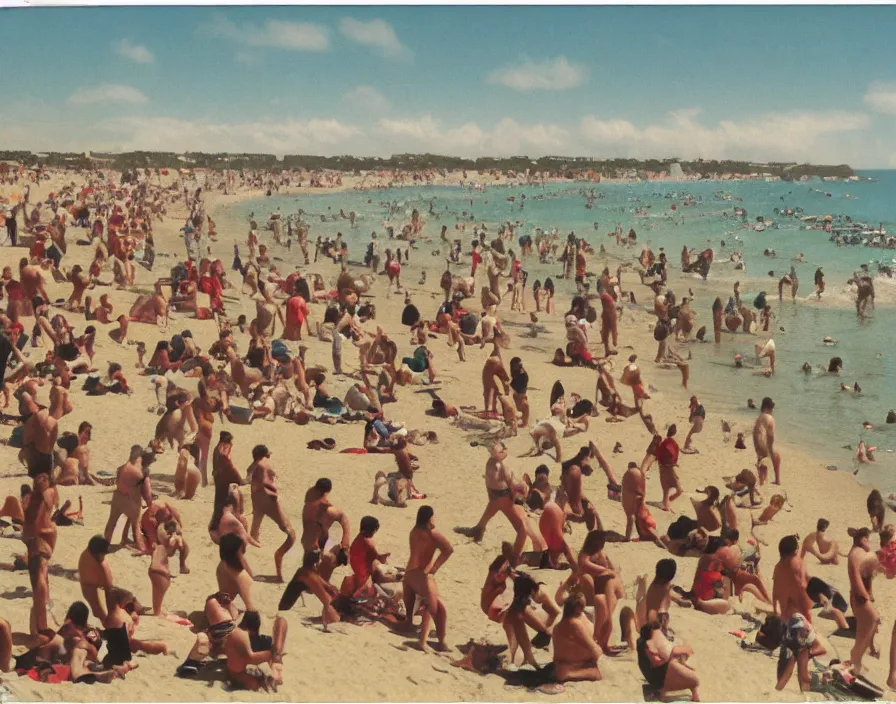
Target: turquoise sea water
[(810, 409)]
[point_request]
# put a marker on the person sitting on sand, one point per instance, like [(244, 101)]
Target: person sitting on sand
[(151, 308), (220, 613), (818, 544), (246, 647), (707, 509), (709, 591), (120, 624), (576, 653), (663, 665)]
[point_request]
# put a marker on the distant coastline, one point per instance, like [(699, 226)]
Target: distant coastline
[(547, 167)]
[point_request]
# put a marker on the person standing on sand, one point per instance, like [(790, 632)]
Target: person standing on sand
[(39, 535), (764, 442), (860, 567), (696, 417), (501, 486), (127, 499), (419, 578), (94, 573), (667, 458), (266, 502)]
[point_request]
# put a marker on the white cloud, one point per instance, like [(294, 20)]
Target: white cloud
[(276, 34), (107, 93), (137, 53), (281, 137), (247, 58), (550, 74), (376, 34), (367, 98), (505, 138), (774, 136), (881, 97)]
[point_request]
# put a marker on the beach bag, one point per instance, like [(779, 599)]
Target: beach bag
[(771, 633), (661, 331)]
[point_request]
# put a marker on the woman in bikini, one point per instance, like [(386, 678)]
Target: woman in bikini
[(709, 591), (169, 542), (211, 399)]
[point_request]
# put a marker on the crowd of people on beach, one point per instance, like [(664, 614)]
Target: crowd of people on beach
[(259, 368)]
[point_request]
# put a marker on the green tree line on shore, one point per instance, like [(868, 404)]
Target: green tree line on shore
[(570, 167)]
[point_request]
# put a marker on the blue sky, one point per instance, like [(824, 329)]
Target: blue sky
[(756, 82)]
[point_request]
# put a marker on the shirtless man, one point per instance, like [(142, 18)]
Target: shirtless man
[(576, 653), (817, 543), (82, 454), (860, 566), (245, 647), (266, 502), (419, 577), (127, 498), (32, 282), (38, 439), (318, 516), (39, 535), (789, 582), (501, 486), (764, 442), (94, 573), (659, 596)]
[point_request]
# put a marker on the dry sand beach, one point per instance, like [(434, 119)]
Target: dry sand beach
[(370, 663)]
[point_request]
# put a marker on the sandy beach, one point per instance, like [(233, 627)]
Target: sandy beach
[(379, 664)]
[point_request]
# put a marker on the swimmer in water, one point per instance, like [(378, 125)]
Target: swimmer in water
[(806, 368), (830, 341)]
